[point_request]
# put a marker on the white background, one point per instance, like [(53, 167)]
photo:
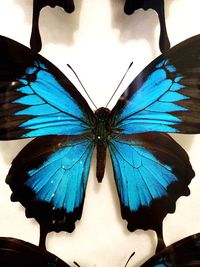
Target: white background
[(100, 41)]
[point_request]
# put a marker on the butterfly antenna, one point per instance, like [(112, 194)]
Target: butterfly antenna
[(75, 263), (129, 259), (119, 84), (82, 85)]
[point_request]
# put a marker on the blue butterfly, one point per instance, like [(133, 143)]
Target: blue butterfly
[(38, 5), (158, 5), (49, 176)]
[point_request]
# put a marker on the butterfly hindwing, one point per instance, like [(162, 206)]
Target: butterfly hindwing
[(49, 178), (38, 5), (157, 5), (151, 171), (36, 98), (164, 97)]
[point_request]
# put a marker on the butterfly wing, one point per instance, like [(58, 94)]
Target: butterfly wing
[(36, 99), (164, 97), (35, 41), (157, 5), (49, 178), (185, 252), (15, 252), (151, 171)]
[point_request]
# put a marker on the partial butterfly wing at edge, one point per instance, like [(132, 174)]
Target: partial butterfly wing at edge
[(185, 252), (148, 167), (36, 99), (15, 252)]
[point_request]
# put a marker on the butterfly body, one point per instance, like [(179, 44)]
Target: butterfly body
[(102, 132)]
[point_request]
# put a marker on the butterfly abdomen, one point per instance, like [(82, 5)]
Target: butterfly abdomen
[(102, 132)]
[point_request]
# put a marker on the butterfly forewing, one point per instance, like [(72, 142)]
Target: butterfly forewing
[(164, 97), (36, 98)]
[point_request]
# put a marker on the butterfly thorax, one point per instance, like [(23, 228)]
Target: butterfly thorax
[(102, 132)]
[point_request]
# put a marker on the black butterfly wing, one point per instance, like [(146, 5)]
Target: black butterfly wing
[(18, 253), (185, 252), (157, 5), (36, 99), (38, 5)]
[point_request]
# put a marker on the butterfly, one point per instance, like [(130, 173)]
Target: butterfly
[(185, 252), (158, 5), (15, 252), (49, 176), (35, 41)]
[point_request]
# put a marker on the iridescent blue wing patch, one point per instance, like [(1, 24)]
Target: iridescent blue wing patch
[(49, 178), (164, 97), (15, 253), (36, 98), (151, 172), (185, 252)]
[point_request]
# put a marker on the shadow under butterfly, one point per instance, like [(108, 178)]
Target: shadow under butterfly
[(49, 176), (35, 41), (158, 5)]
